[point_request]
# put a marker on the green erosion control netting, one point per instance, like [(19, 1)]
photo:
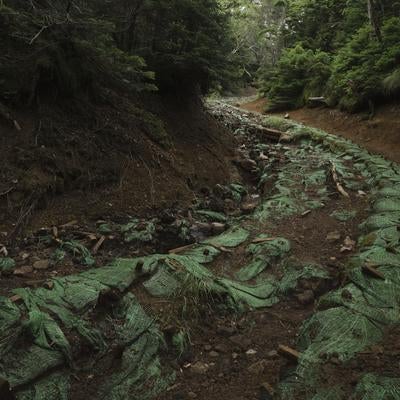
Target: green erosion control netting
[(354, 317), (41, 335), (93, 320)]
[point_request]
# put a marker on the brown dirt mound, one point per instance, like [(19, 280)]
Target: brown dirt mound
[(72, 161)]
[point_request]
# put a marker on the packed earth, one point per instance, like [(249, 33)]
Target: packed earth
[(281, 284)]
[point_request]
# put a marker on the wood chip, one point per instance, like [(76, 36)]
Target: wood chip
[(305, 213), (289, 352), (370, 270), (97, 246)]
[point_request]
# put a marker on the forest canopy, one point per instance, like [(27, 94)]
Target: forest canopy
[(62, 47), (344, 51)]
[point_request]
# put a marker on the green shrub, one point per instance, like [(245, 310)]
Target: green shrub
[(362, 66), (299, 74)]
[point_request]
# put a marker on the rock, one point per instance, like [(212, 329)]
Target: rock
[(249, 206), (199, 368), (22, 271), (248, 164), (287, 116), (221, 348), (241, 341), (258, 367), (226, 330), (251, 352), (272, 354), (217, 228), (333, 236), (213, 354), (41, 264), (348, 245), (305, 298)]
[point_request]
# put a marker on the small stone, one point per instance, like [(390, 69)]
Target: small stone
[(218, 227), (251, 352), (287, 116), (272, 354), (41, 264), (199, 368), (333, 236), (240, 341), (249, 207), (305, 298), (213, 354), (24, 270), (221, 348)]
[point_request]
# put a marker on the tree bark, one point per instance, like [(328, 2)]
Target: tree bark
[(374, 20)]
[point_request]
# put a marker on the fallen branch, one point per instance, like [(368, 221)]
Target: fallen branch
[(289, 352), (97, 246), (335, 177), (263, 240), (370, 270), (180, 249)]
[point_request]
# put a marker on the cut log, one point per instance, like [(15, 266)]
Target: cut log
[(317, 101)]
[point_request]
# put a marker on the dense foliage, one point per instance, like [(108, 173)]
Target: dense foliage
[(345, 51), (65, 47)]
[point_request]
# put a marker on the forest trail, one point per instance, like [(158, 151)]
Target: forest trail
[(380, 134), (286, 288)]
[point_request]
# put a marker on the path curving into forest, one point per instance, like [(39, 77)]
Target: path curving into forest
[(379, 134)]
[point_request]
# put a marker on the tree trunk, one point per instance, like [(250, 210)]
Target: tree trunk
[(374, 20)]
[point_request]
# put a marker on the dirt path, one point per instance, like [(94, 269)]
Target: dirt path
[(280, 285), (380, 135)]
